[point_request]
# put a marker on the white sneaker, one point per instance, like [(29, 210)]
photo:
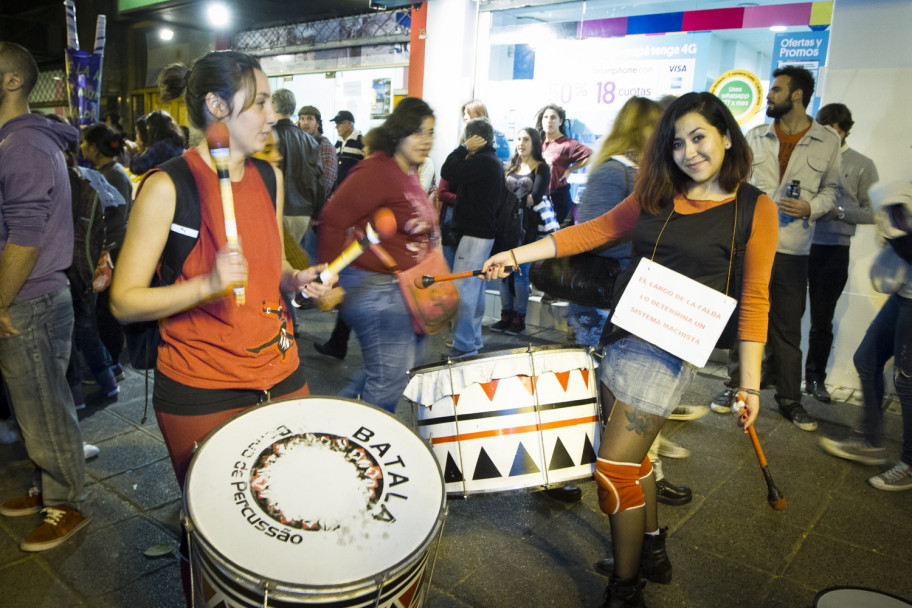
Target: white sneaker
[(855, 449), (896, 479), (89, 450), (670, 449), (689, 412)]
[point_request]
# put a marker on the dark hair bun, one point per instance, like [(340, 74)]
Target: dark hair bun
[(172, 81)]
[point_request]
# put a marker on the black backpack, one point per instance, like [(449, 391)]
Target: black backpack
[(143, 337), (510, 231)]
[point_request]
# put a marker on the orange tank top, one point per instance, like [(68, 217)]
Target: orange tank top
[(218, 344)]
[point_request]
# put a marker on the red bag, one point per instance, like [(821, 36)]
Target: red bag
[(103, 272), (433, 307)]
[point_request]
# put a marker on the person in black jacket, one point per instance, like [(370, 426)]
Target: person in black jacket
[(475, 171), (304, 190)]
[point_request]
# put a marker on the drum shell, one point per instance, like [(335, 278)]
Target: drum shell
[(241, 572), (508, 420)]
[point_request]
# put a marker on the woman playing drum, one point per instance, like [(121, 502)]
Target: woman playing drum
[(216, 357), (695, 163)]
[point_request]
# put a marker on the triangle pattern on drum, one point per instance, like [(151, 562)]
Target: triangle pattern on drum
[(405, 600), (490, 389), (523, 463), (589, 456), (529, 383), (585, 374), (563, 378), (451, 473), (485, 467), (560, 459)]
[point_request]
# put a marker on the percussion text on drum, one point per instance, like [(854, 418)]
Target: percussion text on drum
[(247, 512), (252, 450)]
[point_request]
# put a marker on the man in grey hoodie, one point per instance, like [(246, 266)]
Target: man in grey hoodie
[(36, 312)]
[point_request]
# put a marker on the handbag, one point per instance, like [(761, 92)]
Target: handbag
[(545, 211), (431, 308), (585, 278), (888, 271)]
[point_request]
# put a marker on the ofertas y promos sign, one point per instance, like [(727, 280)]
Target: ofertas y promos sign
[(673, 312)]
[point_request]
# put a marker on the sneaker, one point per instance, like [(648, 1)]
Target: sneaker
[(78, 396), (896, 479), (857, 450), (795, 412), (60, 523), (110, 389), (24, 505), (689, 412), (89, 451), (119, 374), (506, 316), (722, 403), (670, 449)]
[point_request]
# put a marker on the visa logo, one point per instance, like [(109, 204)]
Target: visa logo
[(677, 68)]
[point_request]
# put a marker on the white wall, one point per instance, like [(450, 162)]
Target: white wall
[(448, 69), (869, 69)]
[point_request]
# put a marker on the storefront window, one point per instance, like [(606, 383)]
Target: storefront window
[(590, 57)]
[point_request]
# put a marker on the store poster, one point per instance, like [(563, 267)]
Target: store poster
[(383, 97), (804, 49)]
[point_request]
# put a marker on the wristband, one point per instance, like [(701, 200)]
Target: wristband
[(749, 391), (515, 263)]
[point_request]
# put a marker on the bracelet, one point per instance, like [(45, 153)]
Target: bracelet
[(749, 391), (515, 263)]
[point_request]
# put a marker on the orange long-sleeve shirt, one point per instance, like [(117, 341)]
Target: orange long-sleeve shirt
[(758, 257)]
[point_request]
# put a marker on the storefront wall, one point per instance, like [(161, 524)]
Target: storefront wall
[(864, 62)]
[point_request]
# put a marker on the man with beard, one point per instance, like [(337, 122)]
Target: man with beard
[(793, 148), (36, 310)]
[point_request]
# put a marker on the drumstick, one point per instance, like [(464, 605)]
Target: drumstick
[(217, 139), (387, 226), (775, 498), (427, 280)]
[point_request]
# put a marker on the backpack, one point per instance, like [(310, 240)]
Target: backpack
[(98, 219), (510, 231), (143, 337)]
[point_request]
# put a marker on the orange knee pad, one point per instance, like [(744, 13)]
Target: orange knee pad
[(619, 486)]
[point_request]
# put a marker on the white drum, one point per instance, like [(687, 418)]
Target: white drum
[(523, 418), (312, 501)]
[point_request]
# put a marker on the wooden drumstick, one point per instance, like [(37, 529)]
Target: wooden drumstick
[(428, 280), (217, 139)]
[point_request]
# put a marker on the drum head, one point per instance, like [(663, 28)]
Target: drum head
[(857, 597), (314, 492)]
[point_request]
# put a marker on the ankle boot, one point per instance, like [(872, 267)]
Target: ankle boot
[(517, 324), (654, 563), (506, 317), (624, 593)]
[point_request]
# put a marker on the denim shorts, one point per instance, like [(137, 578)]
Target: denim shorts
[(645, 376)]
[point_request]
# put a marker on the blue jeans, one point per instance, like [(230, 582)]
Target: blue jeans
[(470, 255), (309, 245), (87, 340), (375, 309), (34, 364), (889, 335), (515, 297)]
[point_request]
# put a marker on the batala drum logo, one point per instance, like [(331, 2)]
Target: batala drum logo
[(317, 482)]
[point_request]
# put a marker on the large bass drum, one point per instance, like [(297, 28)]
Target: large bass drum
[(507, 420), (312, 501)]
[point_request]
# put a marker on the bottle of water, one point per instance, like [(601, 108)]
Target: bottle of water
[(792, 191)]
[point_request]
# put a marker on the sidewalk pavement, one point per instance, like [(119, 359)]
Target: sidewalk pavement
[(512, 549)]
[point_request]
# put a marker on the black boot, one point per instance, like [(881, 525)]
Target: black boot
[(337, 345), (517, 324), (671, 495), (624, 593), (506, 317), (654, 564)]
